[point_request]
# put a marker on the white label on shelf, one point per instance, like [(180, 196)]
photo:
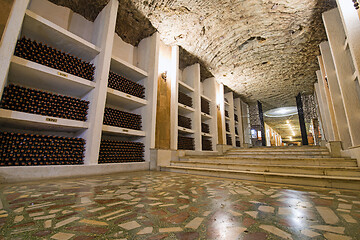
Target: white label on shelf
[(62, 74), (51, 120)]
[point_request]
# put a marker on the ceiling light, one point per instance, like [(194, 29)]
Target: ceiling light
[(281, 112)]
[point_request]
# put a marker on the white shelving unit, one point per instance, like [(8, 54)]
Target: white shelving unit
[(97, 43), (229, 106)]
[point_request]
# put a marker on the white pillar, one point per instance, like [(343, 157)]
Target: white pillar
[(323, 117), (326, 112), (335, 94)]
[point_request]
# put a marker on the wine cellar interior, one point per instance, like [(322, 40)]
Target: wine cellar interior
[(129, 119)]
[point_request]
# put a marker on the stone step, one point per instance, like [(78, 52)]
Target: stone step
[(335, 162), (324, 150), (278, 152), (277, 155), (312, 170), (270, 177)]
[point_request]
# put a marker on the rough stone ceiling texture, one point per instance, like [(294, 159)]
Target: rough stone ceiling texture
[(264, 50)]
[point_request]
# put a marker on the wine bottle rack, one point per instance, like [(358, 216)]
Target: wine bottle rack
[(185, 99), (117, 118), (236, 117), (121, 151), (228, 140), (22, 149), (236, 131), (206, 144), (39, 102), (125, 85), (184, 122), (48, 56), (186, 143), (238, 143), (227, 127), (205, 128), (205, 106)]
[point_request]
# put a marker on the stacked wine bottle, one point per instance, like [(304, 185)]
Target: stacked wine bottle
[(125, 85), (205, 128), (185, 99), (238, 143), (186, 143), (48, 56), (121, 151), (226, 113), (117, 118), (206, 144), (184, 122), (21, 149), (29, 100), (236, 131), (236, 117), (227, 127), (228, 140), (205, 106)]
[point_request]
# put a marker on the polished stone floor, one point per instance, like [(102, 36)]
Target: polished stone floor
[(161, 205)]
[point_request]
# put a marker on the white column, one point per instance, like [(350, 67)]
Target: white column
[(324, 85), (322, 108), (174, 98), (334, 89), (237, 104), (326, 117), (197, 107), (103, 36), (9, 38), (344, 71)]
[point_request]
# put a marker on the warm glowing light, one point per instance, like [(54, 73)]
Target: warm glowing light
[(293, 133), (281, 112), (291, 138), (287, 121)]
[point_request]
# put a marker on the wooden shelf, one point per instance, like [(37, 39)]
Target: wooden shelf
[(206, 134), (127, 70), (39, 122), (185, 130), (227, 118), (185, 109), (185, 88), (206, 98), (34, 75), (40, 29), (205, 116), (226, 103), (117, 98), (111, 130), (228, 133)]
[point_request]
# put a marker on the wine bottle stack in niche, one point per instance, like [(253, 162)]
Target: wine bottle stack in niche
[(238, 143), (125, 85), (34, 101), (236, 131), (236, 117), (121, 151), (206, 144), (228, 140), (186, 143), (50, 57), (227, 127), (205, 128), (226, 113), (117, 118), (205, 106), (185, 99), (184, 122), (22, 149)]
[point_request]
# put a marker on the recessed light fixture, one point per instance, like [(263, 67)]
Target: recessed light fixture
[(281, 112)]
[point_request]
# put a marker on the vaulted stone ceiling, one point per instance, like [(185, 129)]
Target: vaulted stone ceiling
[(262, 49)]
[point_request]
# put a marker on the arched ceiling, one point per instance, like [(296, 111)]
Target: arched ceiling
[(262, 49)]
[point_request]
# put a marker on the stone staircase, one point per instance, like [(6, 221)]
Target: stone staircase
[(310, 166)]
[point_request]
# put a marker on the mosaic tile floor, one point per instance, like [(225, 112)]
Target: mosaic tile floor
[(161, 205)]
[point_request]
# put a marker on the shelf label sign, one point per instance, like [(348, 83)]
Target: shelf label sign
[(62, 74), (51, 120)]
